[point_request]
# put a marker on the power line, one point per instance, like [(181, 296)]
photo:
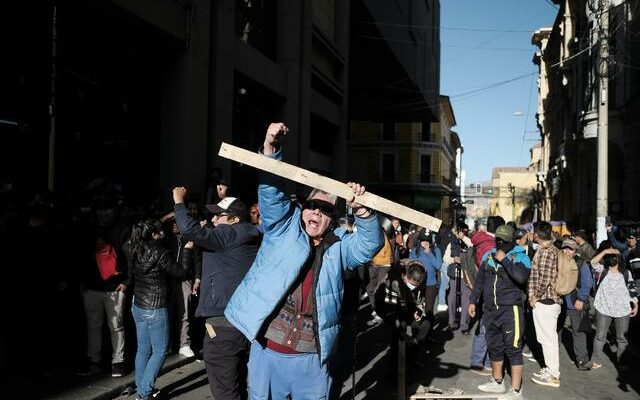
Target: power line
[(446, 28), (491, 86), (416, 42)]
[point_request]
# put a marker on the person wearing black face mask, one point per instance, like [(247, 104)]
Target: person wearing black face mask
[(616, 302), (501, 282)]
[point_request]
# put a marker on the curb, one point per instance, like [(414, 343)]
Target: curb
[(108, 388)]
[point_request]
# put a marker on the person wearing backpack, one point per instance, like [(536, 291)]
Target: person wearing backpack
[(105, 279), (484, 240), (545, 304), (615, 292), (576, 304), (501, 282)]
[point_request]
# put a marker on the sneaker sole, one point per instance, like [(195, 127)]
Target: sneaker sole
[(480, 372), (545, 383), (491, 391)]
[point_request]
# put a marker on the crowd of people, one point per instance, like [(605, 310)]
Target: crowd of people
[(265, 292), (518, 288)]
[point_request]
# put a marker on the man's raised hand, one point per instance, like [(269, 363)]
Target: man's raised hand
[(274, 135), (179, 194)]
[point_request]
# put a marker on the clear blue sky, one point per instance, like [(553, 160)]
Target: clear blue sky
[(483, 43)]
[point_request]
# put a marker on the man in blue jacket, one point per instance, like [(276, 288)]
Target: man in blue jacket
[(576, 303), (501, 281), (229, 249), (289, 303)]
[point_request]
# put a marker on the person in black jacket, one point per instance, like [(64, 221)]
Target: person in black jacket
[(501, 281), (151, 263), (228, 252)]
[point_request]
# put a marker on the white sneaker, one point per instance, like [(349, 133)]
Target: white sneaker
[(186, 352), (442, 307), (511, 395), (543, 373), (492, 387)]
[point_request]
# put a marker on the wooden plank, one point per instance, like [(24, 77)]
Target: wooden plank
[(329, 185)]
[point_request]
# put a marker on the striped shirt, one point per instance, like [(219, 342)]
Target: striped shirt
[(544, 272)]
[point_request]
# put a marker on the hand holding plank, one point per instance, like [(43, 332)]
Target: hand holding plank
[(350, 192)]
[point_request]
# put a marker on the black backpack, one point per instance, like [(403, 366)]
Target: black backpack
[(630, 283)]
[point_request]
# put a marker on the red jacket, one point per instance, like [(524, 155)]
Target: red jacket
[(482, 243)]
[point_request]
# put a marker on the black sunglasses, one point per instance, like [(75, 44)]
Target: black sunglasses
[(324, 206)]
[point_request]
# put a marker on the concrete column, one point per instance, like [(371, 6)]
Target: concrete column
[(343, 9), (184, 108), (221, 82), (304, 126), (290, 38)]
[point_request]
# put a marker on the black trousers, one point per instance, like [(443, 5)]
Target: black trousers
[(225, 358)]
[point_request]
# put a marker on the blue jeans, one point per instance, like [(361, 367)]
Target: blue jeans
[(479, 356), (274, 375), (602, 327), (152, 330), (444, 284)]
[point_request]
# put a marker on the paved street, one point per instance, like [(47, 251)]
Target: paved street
[(446, 367)]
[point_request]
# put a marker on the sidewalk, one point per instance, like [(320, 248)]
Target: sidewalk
[(72, 387)]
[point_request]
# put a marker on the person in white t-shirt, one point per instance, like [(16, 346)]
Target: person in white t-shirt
[(612, 303)]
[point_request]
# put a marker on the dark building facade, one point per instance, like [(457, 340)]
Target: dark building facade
[(401, 135), (144, 92)]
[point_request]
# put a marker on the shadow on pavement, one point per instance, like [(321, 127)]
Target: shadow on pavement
[(185, 385)]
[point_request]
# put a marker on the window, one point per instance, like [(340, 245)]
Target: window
[(323, 135), (426, 132), (389, 131), (388, 167), (425, 168)]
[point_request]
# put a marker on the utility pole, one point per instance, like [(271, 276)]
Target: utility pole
[(602, 196)]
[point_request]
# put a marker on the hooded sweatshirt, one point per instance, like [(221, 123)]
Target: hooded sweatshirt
[(502, 283)]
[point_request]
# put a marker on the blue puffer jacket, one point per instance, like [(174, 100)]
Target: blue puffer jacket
[(504, 283), (284, 250)]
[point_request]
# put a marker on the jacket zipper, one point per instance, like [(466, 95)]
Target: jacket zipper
[(495, 297)]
